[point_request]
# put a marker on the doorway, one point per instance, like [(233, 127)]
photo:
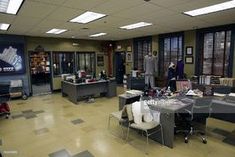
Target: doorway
[(40, 70), (120, 69)]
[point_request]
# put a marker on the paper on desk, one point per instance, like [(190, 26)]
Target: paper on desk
[(232, 94), (219, 94), (134, 92), (191, 93)]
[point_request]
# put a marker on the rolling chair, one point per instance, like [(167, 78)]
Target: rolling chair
[(193, 120)]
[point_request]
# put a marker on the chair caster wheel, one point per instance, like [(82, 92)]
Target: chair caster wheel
[(204, 141), (24, 97)]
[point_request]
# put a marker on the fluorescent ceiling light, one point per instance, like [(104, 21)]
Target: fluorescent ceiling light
[(98, 35), (87, 17), (136, 25), (10, 6), (56, 31), (211, 9), (4, 26)]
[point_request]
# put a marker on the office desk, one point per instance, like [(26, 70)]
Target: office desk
[(167, 120), (137, 83), (223, 110), (75, 91), (167, 117), (127, 99), (220, 110)]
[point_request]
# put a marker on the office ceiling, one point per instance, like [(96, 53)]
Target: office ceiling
[(38, 16)]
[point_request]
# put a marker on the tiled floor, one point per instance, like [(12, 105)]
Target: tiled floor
[(52, 131), (41, 89)]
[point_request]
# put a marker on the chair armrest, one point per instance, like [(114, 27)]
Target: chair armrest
[(188, 111)]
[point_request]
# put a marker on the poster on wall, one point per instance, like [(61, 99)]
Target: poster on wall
[(12, 58)]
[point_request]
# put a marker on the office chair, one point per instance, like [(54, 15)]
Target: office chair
[(194, 119)]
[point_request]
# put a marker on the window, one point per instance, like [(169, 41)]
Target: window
[(142, 46), (171, 50), (63, 63), (86, 62), (216, 53)]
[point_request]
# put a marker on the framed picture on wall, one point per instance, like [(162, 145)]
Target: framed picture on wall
[(189, 60), (100, 60), (189, 50), (128, 57)]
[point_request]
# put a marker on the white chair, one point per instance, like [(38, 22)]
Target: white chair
[(118, 116), (149, 128)]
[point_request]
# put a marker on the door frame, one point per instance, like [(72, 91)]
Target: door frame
[(30, 74), (114, 62)]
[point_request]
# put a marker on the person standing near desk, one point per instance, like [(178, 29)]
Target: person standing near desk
[(171, 78)]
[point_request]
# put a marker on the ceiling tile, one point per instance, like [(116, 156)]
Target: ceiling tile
[(57, 2), (50, 24), (112, 6), (26, 21), (64, 14), (36, 9), (83, 4), (168, 3), (139, 12)]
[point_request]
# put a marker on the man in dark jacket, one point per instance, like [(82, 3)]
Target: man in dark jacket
[(171, 77)]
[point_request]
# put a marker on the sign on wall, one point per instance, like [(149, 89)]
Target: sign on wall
[(12, 58)]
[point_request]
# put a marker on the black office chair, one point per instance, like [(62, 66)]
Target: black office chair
[(193, 120), (223, 89)]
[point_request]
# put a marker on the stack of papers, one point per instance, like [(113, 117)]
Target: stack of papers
[(219, 94), (134, 92), (232, 94), (191, 93)]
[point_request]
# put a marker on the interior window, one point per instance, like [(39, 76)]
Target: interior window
[(86, 62), (216, 53), (63, 63), (173, 51)]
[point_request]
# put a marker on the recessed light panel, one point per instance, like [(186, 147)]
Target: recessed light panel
[(87, 17), (136, 25), (98, 35), (10, 6), (211, 9), (4, 26), (56, 31)]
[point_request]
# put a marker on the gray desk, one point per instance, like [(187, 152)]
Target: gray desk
[(220, 110), (167, 120), (167, 117), (127, 99), (223, 109), (75, 91), (137, 83)]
